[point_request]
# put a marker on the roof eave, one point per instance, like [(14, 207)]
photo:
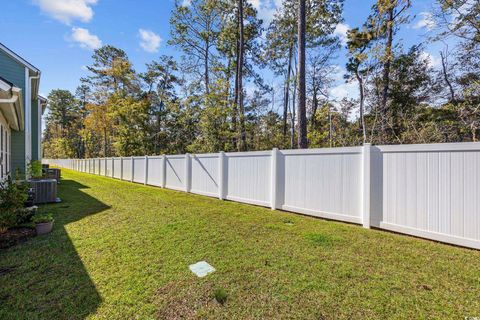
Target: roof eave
[(19, 59)]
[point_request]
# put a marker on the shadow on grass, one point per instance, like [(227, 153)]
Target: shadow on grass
[(45, 277)]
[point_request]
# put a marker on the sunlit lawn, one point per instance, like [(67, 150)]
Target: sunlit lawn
[(122, 250)]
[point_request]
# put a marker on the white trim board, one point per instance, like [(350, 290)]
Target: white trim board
[(459, 241)]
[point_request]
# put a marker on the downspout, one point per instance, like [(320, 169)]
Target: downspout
[(28, 116)]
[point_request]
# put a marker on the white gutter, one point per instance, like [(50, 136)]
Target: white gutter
[(16, 112)]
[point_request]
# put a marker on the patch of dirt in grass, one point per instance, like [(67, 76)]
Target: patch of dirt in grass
[(15, 236), (188, 299)]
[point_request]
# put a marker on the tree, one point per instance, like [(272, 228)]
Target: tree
[(161, 80), (62, 137), (281, 45), (239, 89), (111, 71), (358, 43), (195, 30), (302, 109), (387, 16)]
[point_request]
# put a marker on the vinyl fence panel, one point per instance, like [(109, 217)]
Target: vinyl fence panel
[(154, 169), (248, 177), (324, 182), (127, 169), (175, 172), (139, 169), (117, 168), (205, 174), (432, 191)]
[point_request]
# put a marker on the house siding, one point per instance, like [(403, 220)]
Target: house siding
[(35, 124), (14, 72)]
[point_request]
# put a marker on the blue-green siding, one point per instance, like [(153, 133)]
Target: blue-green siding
[(35, 140), (14, 72)]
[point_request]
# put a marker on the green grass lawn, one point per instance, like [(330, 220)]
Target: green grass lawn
[(121, 251)]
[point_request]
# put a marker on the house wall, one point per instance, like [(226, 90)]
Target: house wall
[(34, 133), (14, 72)]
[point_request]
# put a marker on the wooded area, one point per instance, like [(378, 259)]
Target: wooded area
[(200, 103)]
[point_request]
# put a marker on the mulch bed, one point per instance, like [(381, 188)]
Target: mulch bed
[(15, 236)]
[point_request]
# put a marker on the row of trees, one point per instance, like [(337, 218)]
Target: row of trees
[(215, 98)]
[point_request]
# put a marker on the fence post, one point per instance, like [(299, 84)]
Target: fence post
[(366, 177), (121, 168), (188, 176), (113, 166), (221, 175), (273, 185), (164, 171), (146, 170), (133, 168), (106, 166)]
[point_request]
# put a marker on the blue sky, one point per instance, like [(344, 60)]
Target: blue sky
[(58, 36)]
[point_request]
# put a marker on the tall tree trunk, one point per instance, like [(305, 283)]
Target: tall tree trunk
[(293, 140), (386, 70), (243, 135), (314, 108), (362, 103), (236, 97), (206, 66), (302, 113), (287, 93), (330, 126), (445, 76)]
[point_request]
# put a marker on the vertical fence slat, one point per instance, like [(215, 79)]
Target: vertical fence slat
[(274, 174), (221, 175), (146, 170), (121, 168), (188, 171), (132, 168), (164, 171), (366, 187)]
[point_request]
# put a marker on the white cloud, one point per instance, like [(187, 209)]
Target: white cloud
[(85, 39), (426, 21), (341, 31), (266, 8), (67, 11), (186, 3), (150, 41), (431, 59), (342, 89)]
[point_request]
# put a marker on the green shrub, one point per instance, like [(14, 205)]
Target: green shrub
[(12, 198), (35, 169), (42, 217), (220, 295), (25, 215)]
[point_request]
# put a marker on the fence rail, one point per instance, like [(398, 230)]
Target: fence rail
[(430, 191)]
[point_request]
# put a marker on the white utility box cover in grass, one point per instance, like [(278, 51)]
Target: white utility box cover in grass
[(201, 269)]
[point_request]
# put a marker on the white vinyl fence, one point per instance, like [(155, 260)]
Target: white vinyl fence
[(430, 191)]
